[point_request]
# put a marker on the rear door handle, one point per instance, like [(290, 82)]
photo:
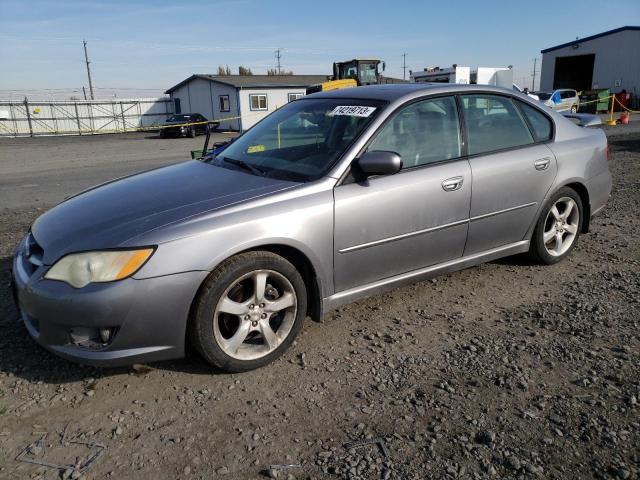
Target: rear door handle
[(452, 184), (542, 163)]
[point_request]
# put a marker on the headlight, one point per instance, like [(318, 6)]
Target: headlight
[(81, 269)]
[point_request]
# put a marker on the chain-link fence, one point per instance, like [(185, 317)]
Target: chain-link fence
[(31, 118)]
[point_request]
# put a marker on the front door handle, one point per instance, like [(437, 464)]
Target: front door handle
[(452, 184), (542, 163)]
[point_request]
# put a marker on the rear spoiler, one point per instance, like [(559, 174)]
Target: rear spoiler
[(584, 119)]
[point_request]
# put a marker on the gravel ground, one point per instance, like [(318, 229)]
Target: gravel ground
[(458, 377)]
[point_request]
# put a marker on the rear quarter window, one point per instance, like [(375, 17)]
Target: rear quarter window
[(539, 122)]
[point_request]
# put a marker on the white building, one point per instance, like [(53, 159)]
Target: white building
[(238, 102), (607, 60)]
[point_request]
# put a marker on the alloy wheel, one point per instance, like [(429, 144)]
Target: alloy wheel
[(255, 314), (561, 226)]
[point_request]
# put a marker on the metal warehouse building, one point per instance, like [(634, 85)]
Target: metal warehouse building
[(244, 99), (606, 60)]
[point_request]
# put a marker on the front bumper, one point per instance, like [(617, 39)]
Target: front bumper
[(149, 317), (173, 131)]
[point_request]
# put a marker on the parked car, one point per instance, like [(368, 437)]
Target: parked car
[(561, 100), (181, 127), (331, 198)]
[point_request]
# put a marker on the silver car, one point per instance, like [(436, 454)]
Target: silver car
[(561, 100), (331, 198)]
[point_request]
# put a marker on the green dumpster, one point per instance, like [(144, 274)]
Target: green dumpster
[(603, 100), (593, 101)]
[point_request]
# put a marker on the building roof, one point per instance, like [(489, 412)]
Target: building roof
[(592, 37), (257, 81)]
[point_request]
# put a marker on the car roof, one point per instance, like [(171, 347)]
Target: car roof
[(393, 92)]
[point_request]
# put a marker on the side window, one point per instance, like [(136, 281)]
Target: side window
[(541, 124), (423, 132), (224, 103), (257, 102), (493, 123)]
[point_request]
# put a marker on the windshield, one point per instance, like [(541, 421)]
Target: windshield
[(178, 118), (367, 73), (302, 140), (348, 70), (543, 95)]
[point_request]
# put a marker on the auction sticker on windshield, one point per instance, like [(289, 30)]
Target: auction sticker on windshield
[(352, 111)]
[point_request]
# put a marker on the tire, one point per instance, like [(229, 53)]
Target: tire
[(191, 133), (258, 331), (574, 109), (560, 227)]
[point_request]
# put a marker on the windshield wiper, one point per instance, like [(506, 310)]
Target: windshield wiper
[(247, 166)]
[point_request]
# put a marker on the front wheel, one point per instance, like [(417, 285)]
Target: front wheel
[(574, 108), (557, 230), (249, 311)]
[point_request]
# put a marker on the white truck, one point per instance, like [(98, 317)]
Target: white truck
[(498, 76)]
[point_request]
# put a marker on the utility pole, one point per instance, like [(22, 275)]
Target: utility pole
[(86, 59), (404, 66), (278, 56), (533, 80)]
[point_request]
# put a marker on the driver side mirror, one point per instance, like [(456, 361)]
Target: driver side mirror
[(379, 163)]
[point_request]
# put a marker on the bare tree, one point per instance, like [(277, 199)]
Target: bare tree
[(274, 71), (244, 71), (224, 70)]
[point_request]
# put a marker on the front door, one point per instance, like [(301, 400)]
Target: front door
[(389, 225), (511, 166)]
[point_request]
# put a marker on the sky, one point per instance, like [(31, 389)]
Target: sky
[(146, 46)]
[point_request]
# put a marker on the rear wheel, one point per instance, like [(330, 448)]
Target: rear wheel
[(249, 311), (558, 227)]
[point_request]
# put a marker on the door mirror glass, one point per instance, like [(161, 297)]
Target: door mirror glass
[(380, 163)]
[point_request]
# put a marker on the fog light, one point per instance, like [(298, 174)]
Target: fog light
[(105, 335)]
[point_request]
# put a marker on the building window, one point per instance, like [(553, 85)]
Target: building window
[(258, 101), (294, 96), (224, 103)]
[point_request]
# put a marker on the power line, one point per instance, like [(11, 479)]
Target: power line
[(86, 59)]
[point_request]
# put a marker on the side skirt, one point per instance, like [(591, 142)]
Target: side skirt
[(380, 286)]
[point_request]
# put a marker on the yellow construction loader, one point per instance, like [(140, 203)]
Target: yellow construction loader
[(352, 73)]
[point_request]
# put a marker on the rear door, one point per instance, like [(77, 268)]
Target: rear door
[(392, 224), (512, 168)]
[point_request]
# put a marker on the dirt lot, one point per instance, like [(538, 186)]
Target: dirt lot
[(508, 370)]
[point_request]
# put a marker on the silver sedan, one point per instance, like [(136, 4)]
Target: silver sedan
[(331, 198)]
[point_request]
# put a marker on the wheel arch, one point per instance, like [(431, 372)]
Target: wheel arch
[(299, 259), (583, 193), (304, 265)]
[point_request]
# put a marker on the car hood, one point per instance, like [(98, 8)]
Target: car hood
[(108, 215)]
